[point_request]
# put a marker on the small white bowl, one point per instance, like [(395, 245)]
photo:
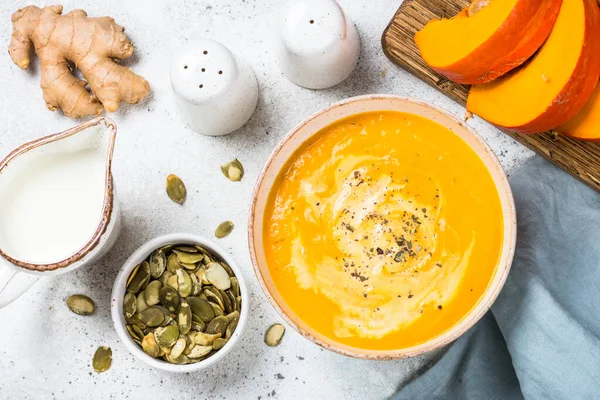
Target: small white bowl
[(119, 290)]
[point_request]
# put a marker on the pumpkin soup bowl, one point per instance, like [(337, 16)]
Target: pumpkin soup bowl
[(305, 135)]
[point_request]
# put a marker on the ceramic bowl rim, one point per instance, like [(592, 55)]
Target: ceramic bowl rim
[(119, 289), (471, 317)]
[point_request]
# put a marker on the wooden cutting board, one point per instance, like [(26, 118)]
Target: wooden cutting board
[(580, 159)]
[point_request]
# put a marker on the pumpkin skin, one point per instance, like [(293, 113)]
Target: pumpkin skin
[(508, 32), (554, 85), (586, 124)]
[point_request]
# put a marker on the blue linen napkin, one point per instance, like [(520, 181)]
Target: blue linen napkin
[(541, 339)]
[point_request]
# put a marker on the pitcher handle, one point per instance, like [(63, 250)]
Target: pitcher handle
[(21, 282)]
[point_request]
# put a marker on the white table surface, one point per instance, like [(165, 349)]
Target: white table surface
[(46, 351)]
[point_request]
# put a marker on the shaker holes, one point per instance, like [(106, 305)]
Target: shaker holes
[(220, 72), (185, 67), (312, 21), (205, 52), (203, 69), (201, 86)]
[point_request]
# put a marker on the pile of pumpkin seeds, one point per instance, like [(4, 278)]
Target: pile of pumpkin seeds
[(182, 304)]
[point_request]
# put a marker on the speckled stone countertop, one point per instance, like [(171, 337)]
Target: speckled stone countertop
[(46, 351)]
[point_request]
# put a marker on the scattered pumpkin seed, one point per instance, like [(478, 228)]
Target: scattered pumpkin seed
[(233, 170), (81, 304), (102, 359), (182, 304), (176, 189), (274, 335), (224, 229)]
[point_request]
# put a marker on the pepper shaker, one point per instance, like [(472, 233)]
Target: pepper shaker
[(216, 91), (319, 47)]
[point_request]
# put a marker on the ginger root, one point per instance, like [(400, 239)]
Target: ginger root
[(91, 44)]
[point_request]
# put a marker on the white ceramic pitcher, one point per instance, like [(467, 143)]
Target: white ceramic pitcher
[(58, 206)]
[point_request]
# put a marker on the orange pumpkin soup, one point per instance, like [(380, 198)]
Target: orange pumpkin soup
[(383, 231)]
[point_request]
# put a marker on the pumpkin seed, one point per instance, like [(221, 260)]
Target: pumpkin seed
[(182, 359), (187, 249), (216, 309), (232, 316), (141, 278), (201, 308), (238, 303), (151, 293), (233, 170), (198, 326), (158, 263), (169, 298), (217, 325), (172, 282), (133, 274), (196, 285), (81, 305), (206, 339), (166, 336), (166, 314), (184, 283), (219, 343), (184, 317), (199, 351), (135, 320), (178, 348), (140, 303), (231, 328), (190, 267), (224, 229), (176, 189), (138, 331), (165, 277), (132, 333), (152, 317), (274, 335), (102, 359), (129, 305), (229, 306), (188, 258), (235, 286), (150, 346), (217, 276), (173, 263), (213, 295), (227, 268)]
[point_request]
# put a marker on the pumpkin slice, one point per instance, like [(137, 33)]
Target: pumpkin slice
[(554, 84), (486, 39), (586, 124)]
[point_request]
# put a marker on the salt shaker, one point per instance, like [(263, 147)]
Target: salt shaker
[(318, 46), (216, 91)]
